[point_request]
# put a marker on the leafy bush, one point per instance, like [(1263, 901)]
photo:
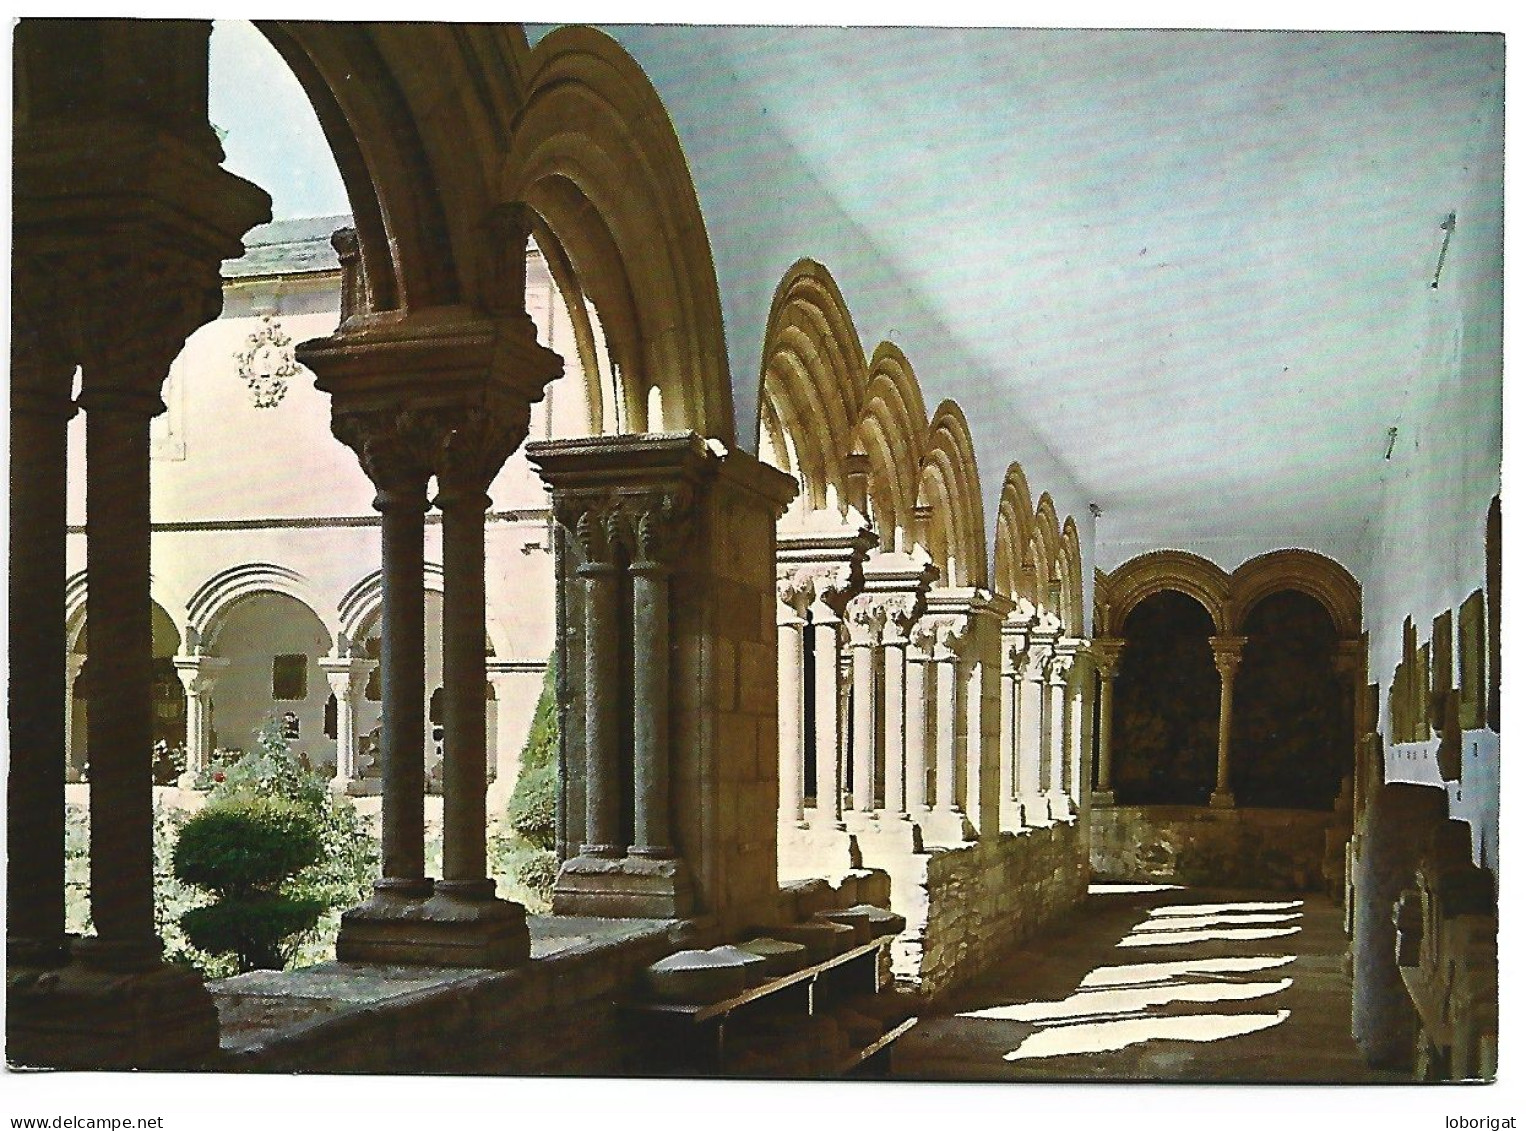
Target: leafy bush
[(242, 845), (532, 806), (254, 928), (536, 869), (242, 849)]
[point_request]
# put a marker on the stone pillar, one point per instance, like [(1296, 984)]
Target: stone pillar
[(1226, 658), (946, 702), (866, 624), (919, 665), (702, 816), (1107, 651), (1077, 779), (122, 216), (1007, 743), (791, 622), (74, 664), (893, 652), (1031, 735), (198, 675), (1055, 681), (825, 625), (467, 924), (347, 678), (445, 393), (656, 531), (41, 704)]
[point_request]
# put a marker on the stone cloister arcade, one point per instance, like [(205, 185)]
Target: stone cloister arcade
[(789, 683)]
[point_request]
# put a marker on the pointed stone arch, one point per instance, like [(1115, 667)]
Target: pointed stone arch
[(1014, 573), (812, 381), (1048, 566), (1304, 571), (892, 433), (1124, 588), (950, 484), (595, 156), (1073, 611)]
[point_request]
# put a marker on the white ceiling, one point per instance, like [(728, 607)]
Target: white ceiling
[(1184, 275)]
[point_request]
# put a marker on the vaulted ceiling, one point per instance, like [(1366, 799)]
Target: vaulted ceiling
[(1185, 276)]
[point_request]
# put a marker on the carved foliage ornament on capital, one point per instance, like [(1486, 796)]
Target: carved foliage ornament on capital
[(649, 527)]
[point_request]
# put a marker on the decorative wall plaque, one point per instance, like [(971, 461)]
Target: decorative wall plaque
[(267, 363)]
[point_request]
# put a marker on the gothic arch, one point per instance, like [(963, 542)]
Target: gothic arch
[(892, 432), (1306, 572), (812, 380), (1014, 575), (950, 484), (595, 156), (1073, 610), (210, 605), (1197, 577), (419, 196)]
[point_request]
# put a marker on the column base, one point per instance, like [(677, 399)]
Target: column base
[(1225, 800), (451, 927), (1060, 807), (1103, 798), (1035, 810), (623, 887), (948, 827), (83, 1016), (806, 853)]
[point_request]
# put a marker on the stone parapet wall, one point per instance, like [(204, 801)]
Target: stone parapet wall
[(969, 907), (1280, 849)]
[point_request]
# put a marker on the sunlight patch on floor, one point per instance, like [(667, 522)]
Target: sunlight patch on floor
[(1223, 934), (1143, 973), (1130, 889), (1220, 908), (1192, 922), (1110, 1036), (1090, 1003)]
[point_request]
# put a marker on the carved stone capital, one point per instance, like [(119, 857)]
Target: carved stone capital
[(657, 523), (1108, 653), (198, 674), (347, 675), (1227, 652), (865, 616), (395, 448), (1057, 668), (942, 637)]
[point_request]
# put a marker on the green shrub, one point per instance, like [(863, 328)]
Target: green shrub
[(532, 806), (254, 928), (242, 849), (536, 869), (241, 845)]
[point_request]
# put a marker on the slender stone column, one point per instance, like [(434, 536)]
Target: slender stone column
[(198, 675), (1007, 744), (1108, 652), (947, 699), (866, 623), (120, 646), (1054, 734), (601, 688), (895, 714), (1075, 713), (347, 677), (791, 623), (41, 709), (1030, 734), (1226, 658), (656, 533), (472, 452), (74, 665), (828, 738), (919, 663)]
